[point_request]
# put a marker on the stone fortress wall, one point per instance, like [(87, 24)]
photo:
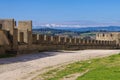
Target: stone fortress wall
[(109, 36), (20, 39)]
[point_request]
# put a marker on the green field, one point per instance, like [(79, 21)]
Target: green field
[(107, 68)]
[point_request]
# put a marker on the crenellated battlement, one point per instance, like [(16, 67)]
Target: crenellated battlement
[(44, 39), (20, 38)]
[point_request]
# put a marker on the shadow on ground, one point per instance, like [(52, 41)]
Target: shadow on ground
[(29, 57)]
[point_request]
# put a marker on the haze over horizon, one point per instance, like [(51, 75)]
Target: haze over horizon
[(63, 12)]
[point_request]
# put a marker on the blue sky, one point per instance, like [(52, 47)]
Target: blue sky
[(55, 11)]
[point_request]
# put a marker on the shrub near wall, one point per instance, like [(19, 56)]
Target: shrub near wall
[(2, 50)]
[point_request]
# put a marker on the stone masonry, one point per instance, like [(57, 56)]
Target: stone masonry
[(21, 40), (109, 36)]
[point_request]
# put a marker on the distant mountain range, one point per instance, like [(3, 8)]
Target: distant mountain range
[(85, 29)]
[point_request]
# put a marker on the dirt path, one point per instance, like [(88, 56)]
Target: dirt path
[(23, 67)]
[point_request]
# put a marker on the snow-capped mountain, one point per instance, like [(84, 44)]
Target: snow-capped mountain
[(77, 24)]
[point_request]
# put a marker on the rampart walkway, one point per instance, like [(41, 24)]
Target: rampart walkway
[(27, 66)]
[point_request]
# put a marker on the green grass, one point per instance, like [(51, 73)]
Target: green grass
[(99, 69), (102, 73), (104, 69)]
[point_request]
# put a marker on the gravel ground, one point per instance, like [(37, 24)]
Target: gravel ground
[(24, 66)]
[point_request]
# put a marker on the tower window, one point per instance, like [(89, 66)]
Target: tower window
[(111, 35), (0, 26), (103, 35)]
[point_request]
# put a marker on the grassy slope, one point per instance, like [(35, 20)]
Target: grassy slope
[(104, 69), (99, 69)]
